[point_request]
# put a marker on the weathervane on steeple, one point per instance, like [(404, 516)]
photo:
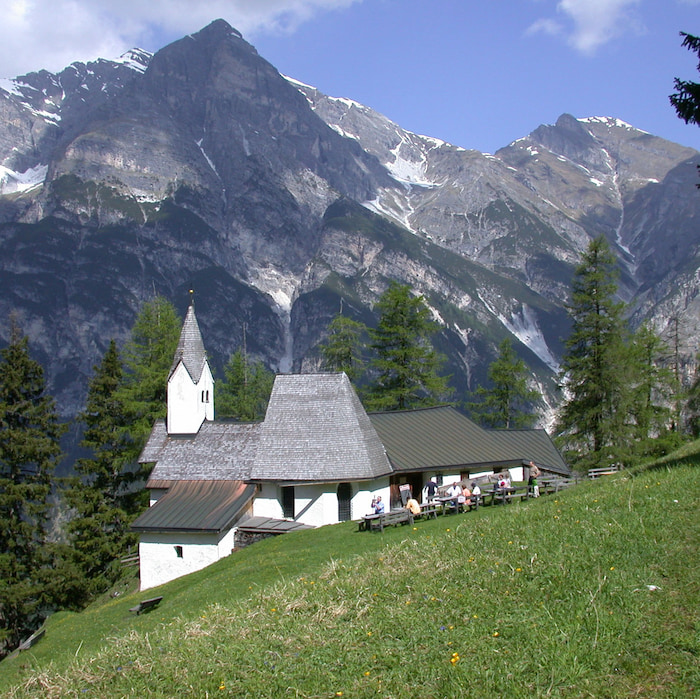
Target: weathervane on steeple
[(191, 297)]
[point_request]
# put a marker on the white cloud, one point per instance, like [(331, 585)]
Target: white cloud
[(588, 24), (51, 34)]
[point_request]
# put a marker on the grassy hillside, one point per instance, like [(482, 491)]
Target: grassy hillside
[(591, 593)]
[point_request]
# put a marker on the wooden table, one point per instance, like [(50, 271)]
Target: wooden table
[(394, 517)]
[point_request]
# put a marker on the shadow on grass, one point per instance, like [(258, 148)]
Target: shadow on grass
[(688, 455)]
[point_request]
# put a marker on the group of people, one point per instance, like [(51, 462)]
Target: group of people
[(458, 494), (461, 494)]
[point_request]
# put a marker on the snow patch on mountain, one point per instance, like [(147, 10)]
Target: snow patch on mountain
[(11, 86), (524, 326), (11, 181), (610, 122), (207, 158), (394, 207), (135, 58), (407, 170)]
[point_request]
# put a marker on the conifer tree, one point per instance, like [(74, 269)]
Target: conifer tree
[(506, 402), (692, 404), (148, 358), (29, 451), (245, 390), (342, 350), (654, 389), (594, 420), (100, 494), (406, 364), (686, 99)]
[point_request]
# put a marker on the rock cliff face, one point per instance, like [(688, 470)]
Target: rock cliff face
[(202, 168)]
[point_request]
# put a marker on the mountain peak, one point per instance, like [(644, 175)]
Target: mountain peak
[(218, 29)]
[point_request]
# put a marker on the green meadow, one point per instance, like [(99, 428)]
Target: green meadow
[(593, 592)]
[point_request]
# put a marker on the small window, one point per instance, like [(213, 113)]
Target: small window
[(205, 396), (178, 551)]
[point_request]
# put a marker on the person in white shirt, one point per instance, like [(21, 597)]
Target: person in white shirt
[(454, 492), (476, 493)]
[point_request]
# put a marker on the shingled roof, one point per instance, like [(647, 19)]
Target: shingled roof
[(190, 349), (316, 429), (220, 451), (441, 437)]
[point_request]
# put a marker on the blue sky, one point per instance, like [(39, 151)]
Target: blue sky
[(477, 74)]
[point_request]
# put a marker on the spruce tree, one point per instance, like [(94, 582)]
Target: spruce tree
[(594, 420), (686, 99), (148, 358), (342, 349), (406, 365), (245, 390), (507, 401), (100, 494), (30, 432)]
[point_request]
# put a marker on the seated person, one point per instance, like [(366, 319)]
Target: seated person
[(412, 506), (378, 506), (476, 490), (454, 492), (467, 495)]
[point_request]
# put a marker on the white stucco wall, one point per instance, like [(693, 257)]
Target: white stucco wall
[(159, 562), (317, 504), (189, 403)]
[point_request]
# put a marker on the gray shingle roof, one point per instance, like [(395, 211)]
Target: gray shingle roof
[(190, 348), (220, 451), (316, 429), (441, 437), (196, 506)]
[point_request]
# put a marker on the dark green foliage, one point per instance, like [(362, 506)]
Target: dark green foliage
[(593, 421), (246, 389), (101, 494), (342, 350), (653, 389), (686, 99), (508, 401), (693, 402), (405, 362), (148, 358), (29, 451)]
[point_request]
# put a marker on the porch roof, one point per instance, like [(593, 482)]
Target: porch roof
[(196, 506)]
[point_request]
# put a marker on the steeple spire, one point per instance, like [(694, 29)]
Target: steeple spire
[(190, 384)]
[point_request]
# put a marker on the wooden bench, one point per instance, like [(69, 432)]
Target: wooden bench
[(33, 639), (508, 495), (146, 605), (474, 500), (606, 471), (394, 517), (428, 509)]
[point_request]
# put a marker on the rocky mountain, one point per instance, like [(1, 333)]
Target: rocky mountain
[(201, 167)]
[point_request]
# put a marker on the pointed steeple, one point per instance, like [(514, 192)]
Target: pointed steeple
[(190, 383), (190, 349)]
